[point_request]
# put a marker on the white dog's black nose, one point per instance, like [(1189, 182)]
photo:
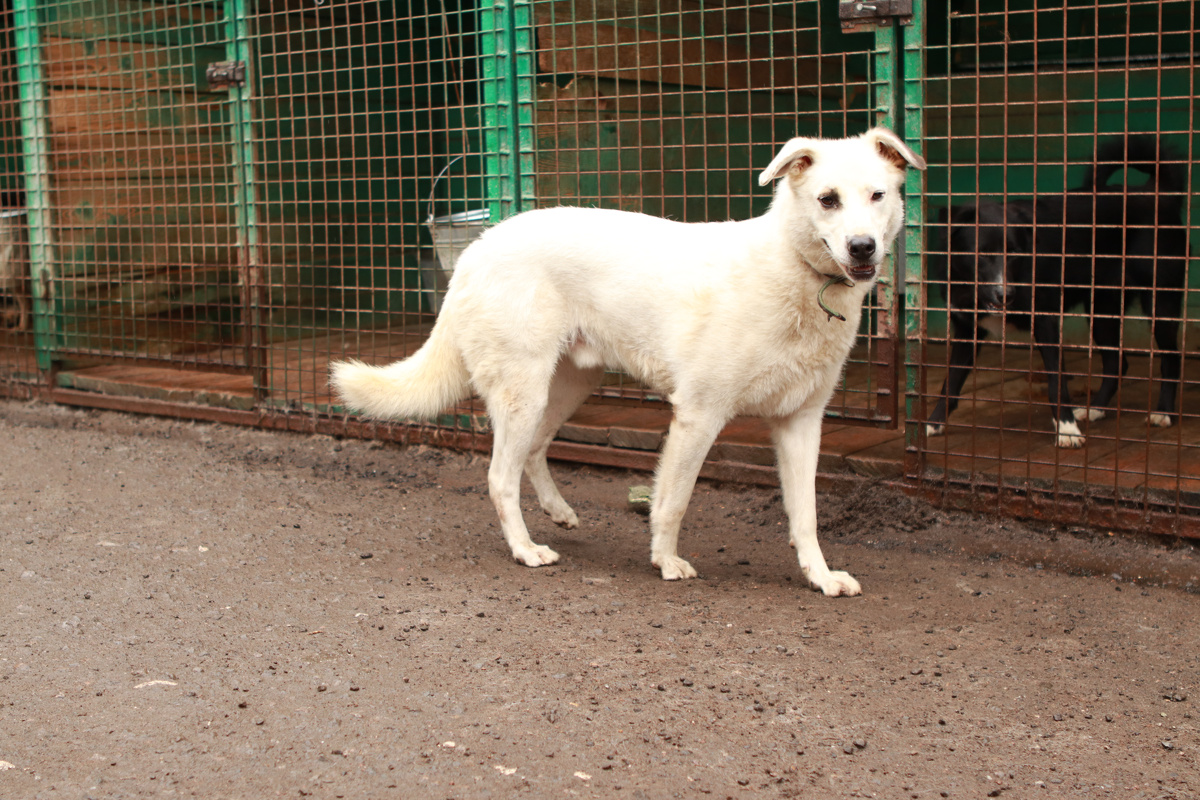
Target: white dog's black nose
[(861, 248)]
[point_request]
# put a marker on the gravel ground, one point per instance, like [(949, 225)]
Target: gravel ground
[(201, 611)]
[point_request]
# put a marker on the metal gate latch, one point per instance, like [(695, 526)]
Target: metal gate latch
[(854, 14), (223, 74)]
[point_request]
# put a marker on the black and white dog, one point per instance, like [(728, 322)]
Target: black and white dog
[(1098, 248)]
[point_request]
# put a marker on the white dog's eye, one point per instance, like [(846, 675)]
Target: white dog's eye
[(828, 200), (876, 197)]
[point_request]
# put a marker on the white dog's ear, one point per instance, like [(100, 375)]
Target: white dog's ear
[(892, 149), (796, 153)]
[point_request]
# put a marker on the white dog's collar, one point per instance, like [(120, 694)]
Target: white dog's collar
[(830, 280), (842, 279)]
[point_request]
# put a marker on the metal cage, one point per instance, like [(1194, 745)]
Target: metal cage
[(1019, 101), (208, 201)]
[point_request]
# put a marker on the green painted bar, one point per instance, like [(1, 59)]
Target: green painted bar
[(239, 48), (37, 177), (524, 104), (915, 302)]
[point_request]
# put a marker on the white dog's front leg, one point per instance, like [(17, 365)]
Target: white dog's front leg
[(688, 442), (797, 446)]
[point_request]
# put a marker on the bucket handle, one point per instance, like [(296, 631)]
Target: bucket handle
[(433, 189)]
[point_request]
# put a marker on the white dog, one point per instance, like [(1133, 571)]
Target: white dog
[(724, 318)]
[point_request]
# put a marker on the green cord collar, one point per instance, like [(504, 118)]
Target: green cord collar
[(833, 279)]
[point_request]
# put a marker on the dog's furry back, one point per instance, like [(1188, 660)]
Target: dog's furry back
[(419, 387)]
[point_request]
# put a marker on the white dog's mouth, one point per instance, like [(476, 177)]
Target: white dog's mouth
[(856, 270), (861, 272)]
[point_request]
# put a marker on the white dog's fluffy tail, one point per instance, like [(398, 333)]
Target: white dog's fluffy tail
[(419, 387)]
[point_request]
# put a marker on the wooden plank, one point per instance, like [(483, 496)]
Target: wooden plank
[(190, 340), (103, 263), (681, 43), (123, 253), (1140, 456), (1002, 434), (170, 377), (77, 111), (84, 157), (180, 23), (130, 66), (146, 299), (133, 316), (118, 203), (164, 384), (602, 142), (745, 440), (883, 460)]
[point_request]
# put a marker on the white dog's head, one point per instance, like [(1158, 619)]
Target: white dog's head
[(840, 198)]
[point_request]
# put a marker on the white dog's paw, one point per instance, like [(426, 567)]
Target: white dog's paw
[(563, 516), (1069, 435), (674, 568), (837, 584), (1159, 420), (1090, 414), (933, 429), (535, 555)]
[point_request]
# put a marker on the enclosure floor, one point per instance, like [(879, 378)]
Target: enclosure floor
[(998, 436), (1002, 432)]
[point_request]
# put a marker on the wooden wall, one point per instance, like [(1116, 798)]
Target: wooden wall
[(671, 107), (355, 109), (142, 191)]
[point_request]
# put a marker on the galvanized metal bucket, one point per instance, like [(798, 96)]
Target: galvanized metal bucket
[(452, 233)]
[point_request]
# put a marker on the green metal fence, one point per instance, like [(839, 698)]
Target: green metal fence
[(669, 108), (18, 368), (1016, 100), (215, 198)]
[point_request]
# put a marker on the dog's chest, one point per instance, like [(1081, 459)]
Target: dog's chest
[(802, 372), (994, 325)]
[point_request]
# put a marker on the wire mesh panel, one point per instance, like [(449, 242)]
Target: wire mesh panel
[(1062, 201), (17, 361), (142, 193), (672, 109), (368, 159)]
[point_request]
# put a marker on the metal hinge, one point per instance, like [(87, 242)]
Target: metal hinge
[(855, 14), (223, 74)]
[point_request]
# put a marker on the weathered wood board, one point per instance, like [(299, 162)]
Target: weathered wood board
[(686, 42)]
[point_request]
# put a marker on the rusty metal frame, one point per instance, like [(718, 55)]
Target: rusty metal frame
[(1011, 61), (346, 257)]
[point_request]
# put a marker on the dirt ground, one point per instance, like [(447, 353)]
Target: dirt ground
[(200, 611)]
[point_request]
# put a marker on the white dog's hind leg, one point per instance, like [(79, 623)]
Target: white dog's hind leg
[(570, 387), (515, 416), (797, 446), (688, 442)]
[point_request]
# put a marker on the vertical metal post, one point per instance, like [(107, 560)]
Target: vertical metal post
[(36, 148), (239, 48), (525, 101), (506, 45), (915, 289), (889, 112), (899, 71)]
